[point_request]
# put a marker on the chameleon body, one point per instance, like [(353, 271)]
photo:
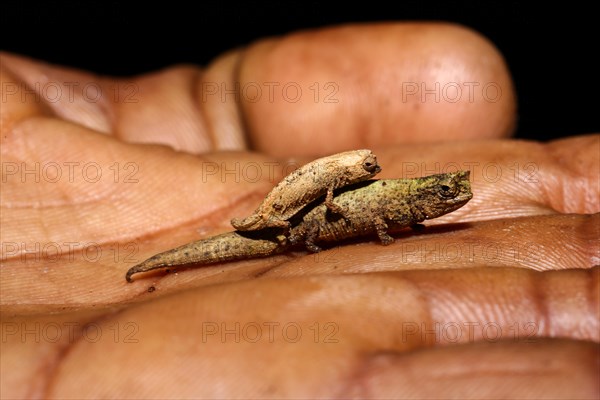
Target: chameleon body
[(371, 207), (379, 206), (307, 184)]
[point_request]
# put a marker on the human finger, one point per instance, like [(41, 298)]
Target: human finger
[(374, 85), (338, 335), (356, 86)]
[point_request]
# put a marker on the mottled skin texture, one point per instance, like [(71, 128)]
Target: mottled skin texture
[(228, 246), (307, 184), (372, 207), (379, 206)]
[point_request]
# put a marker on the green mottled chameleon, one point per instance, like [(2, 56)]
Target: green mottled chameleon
[(371, 207)]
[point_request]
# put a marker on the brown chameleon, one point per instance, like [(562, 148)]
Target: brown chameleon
[(308, 183), (372, 207)]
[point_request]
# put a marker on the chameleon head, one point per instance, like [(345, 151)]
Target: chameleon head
[(359, 165), (444, 193), (370, 165)]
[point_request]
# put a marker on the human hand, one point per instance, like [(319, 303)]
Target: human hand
[(358, 308)]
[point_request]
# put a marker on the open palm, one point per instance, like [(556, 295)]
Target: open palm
[(101, 173)]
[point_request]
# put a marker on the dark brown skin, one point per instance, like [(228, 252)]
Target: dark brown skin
[(377, 206), (517, 261)]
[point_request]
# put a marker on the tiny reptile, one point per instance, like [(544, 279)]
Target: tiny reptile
[(307, 184), (370, 207)]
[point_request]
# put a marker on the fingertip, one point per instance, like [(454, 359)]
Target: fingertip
[(344, 87)]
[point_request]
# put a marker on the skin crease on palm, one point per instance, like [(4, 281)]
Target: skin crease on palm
[(498, 299)]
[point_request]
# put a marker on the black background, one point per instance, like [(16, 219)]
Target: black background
[(549, 50)]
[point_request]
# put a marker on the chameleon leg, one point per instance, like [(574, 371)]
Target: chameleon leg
[(331, 205), (311, 235), (381, 228), (277, 223)]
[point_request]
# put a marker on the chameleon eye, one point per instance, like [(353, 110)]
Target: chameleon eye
[(371, 166), (447, 191)]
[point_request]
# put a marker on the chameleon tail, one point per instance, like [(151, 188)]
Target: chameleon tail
[(247, 224), (206, 251), (224, 247), (155, 262)]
